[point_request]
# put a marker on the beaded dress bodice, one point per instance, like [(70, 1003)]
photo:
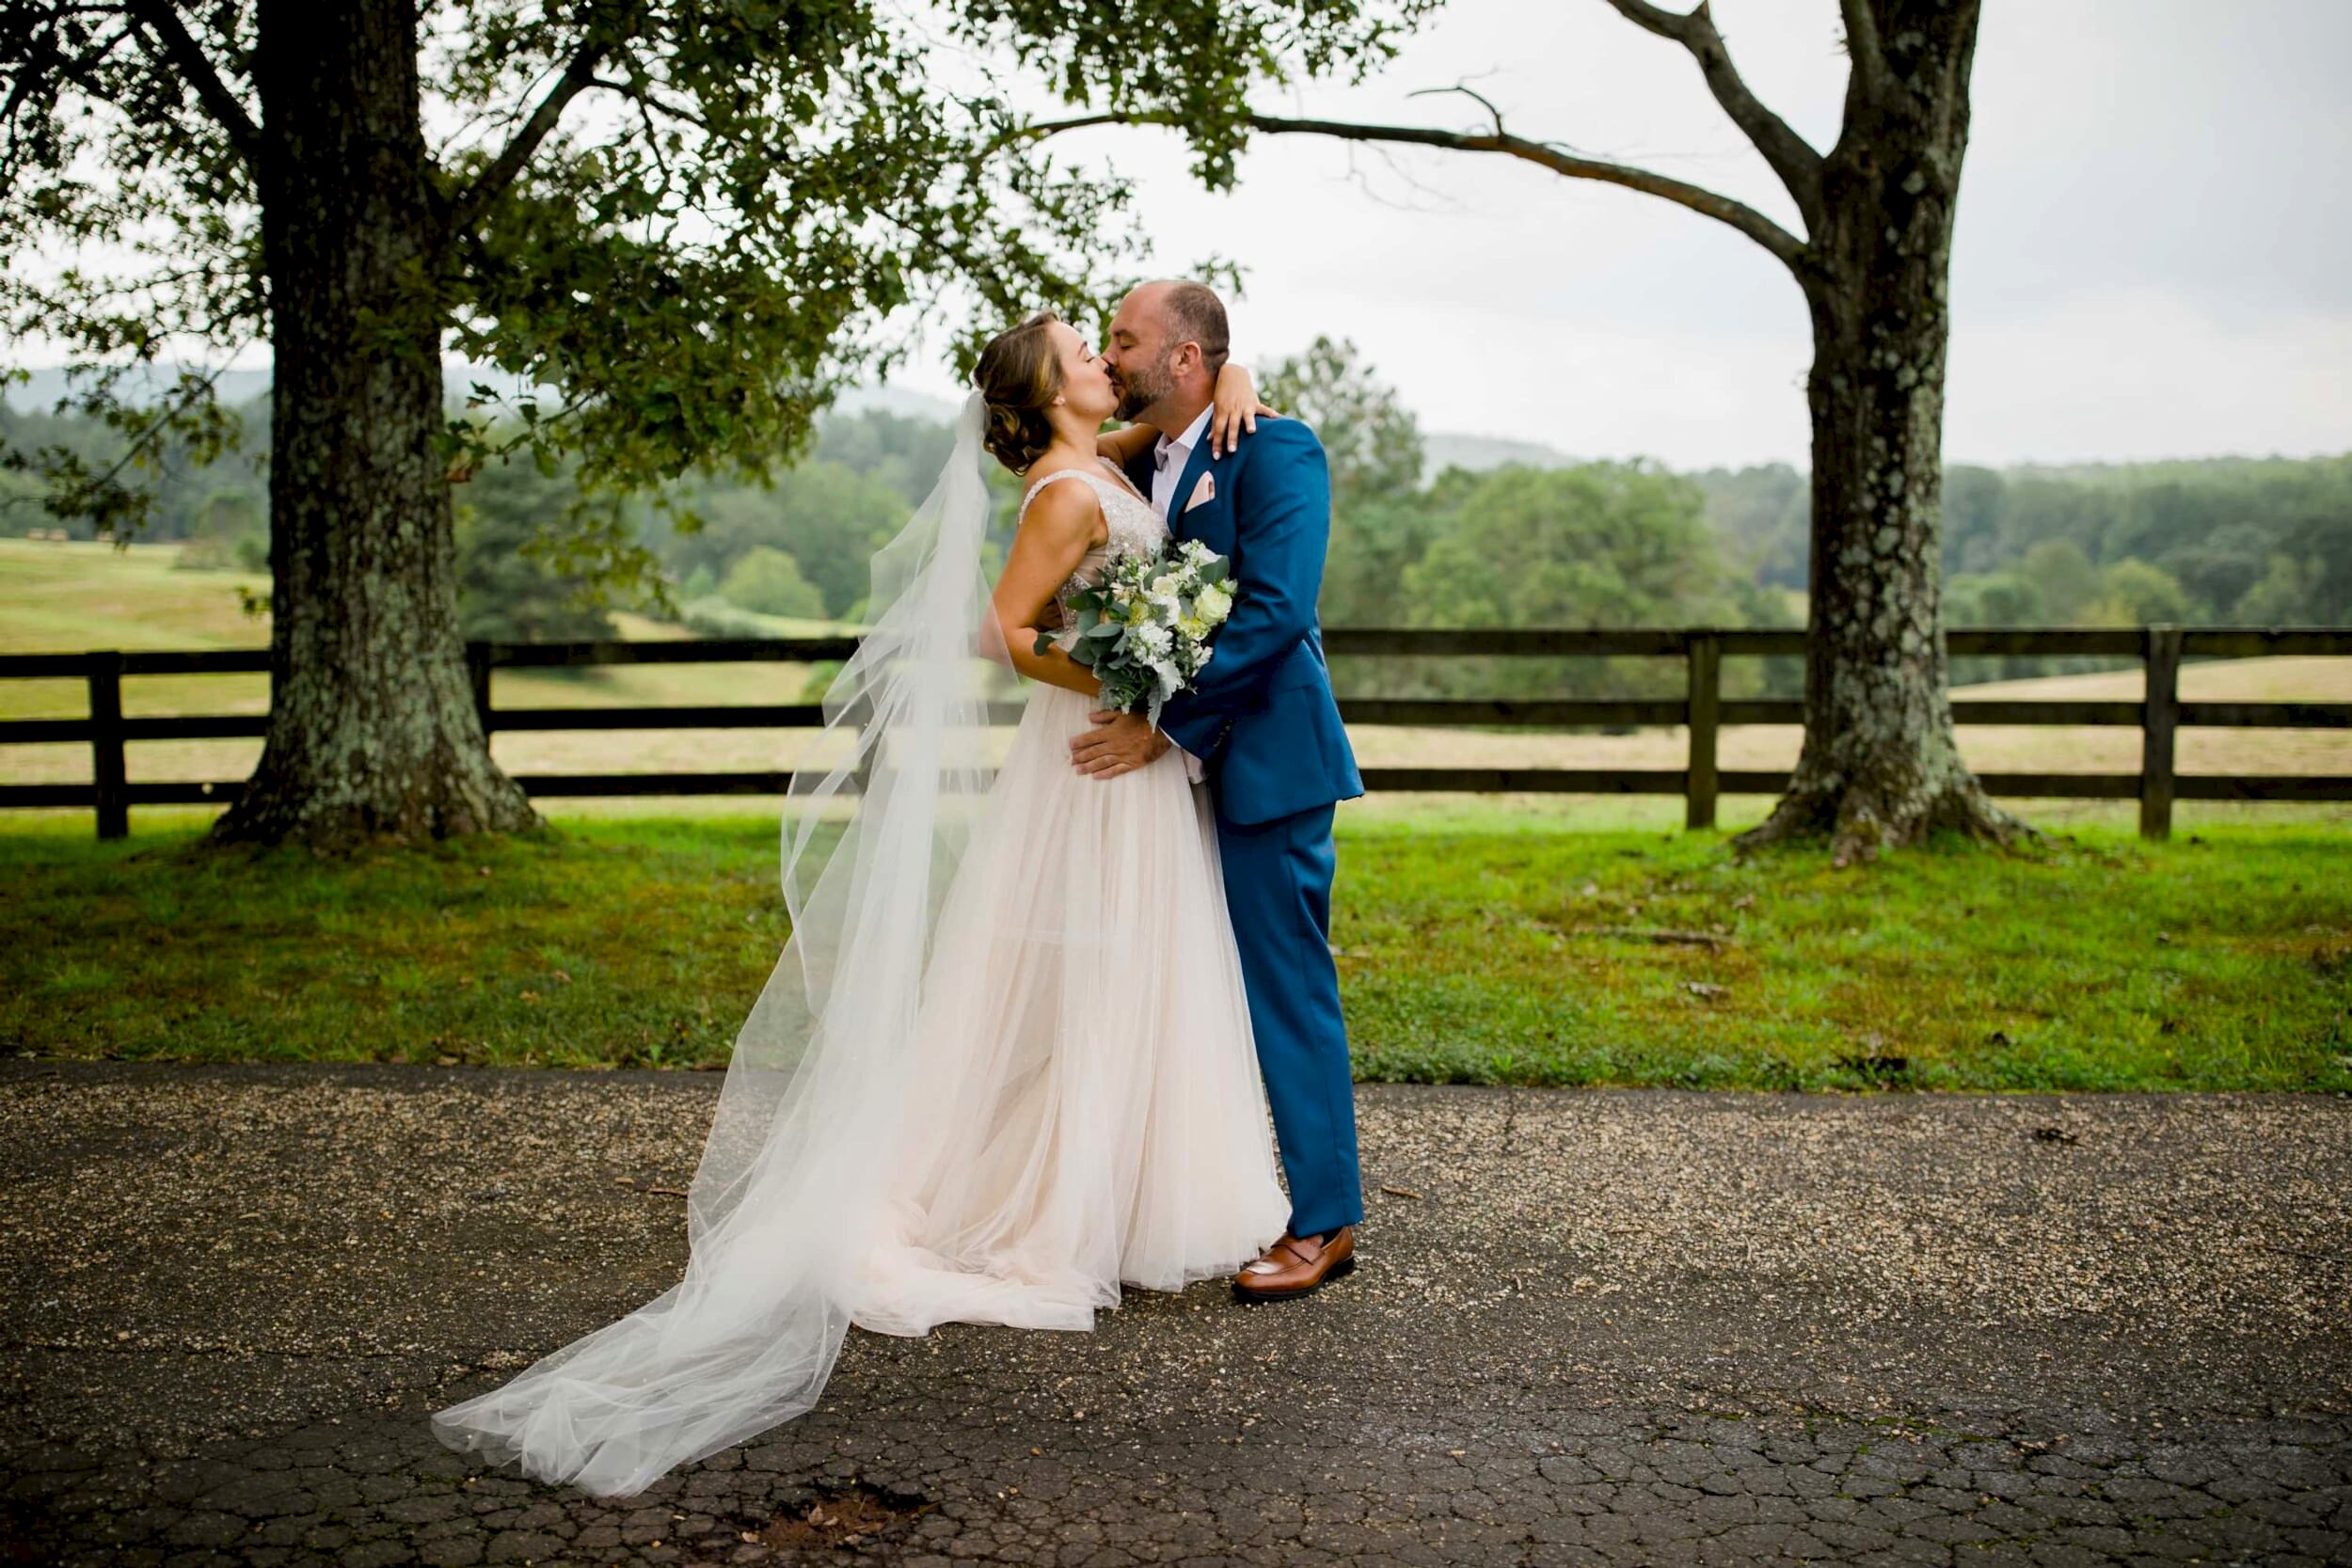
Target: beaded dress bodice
[(1135, 528)]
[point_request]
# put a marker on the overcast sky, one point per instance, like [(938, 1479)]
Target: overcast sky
[(2153, 255)]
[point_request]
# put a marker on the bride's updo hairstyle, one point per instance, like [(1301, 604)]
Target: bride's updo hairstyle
[(1019, 375)]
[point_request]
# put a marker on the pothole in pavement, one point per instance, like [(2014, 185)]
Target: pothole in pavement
[(842, 1517)]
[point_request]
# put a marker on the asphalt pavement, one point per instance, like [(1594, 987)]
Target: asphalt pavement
[(1639, 1327)]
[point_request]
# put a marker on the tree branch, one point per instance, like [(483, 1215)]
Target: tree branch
[(1791, 157), (579, 74), (647, 98), (185, 54), (1746, 219), (1865, 48)]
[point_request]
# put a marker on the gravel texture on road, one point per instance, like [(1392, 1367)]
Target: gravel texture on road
[(1639, 1327)]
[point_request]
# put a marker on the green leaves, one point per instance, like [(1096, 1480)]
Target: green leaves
[(188, 428), (1191, 63), (1372, 440), (694, 225)]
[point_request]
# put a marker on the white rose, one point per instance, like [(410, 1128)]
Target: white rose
[(1213, 604)]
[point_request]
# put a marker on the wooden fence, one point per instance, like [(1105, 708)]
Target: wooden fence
[(1702, 707)]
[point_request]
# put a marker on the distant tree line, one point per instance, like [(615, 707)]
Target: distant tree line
[(2234, 541), (2259, 541)]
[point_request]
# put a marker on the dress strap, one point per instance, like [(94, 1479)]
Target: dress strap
[(1093, 482)]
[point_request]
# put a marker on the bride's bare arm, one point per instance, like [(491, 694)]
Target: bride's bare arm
[(1235, 410), (1123, 447), (1062, 523)]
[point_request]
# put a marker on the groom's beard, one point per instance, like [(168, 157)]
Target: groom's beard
[(1141, 389)]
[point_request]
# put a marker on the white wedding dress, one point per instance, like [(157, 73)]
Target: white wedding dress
[(1091, 1108), (1003, 1065)]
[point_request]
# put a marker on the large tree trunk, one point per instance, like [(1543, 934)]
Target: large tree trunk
[(372, 730), (1880, 767)]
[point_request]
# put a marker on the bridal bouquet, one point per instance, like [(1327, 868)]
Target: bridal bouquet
[(1144, 627)]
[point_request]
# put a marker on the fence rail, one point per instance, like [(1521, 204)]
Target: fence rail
[(2159, 715)]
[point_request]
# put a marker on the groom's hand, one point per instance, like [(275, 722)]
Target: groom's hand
[(1118, 743)]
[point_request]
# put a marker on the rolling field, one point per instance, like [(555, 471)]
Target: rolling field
[(66, 596)]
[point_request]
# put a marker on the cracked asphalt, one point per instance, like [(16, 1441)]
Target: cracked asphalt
[(1640, 1327)]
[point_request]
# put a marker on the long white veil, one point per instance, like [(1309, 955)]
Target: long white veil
[(809, 1119)]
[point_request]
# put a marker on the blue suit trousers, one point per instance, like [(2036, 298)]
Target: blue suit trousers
[(1277, 886)]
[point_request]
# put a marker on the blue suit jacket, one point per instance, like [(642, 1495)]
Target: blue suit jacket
[(1262, 720)]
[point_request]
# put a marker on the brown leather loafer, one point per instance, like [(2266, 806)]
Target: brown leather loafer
[(1292, 1267)]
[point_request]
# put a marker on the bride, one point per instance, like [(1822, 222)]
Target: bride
[(1004, 1062)]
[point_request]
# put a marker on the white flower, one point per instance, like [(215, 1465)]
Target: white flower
[(1213, 604), (1151, 640)]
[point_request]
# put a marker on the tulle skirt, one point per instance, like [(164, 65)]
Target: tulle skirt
[(1068, 1100), (1086, 1104)]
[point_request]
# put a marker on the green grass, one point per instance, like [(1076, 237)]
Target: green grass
[(1478, 943), (633, 944), (2220, 960)]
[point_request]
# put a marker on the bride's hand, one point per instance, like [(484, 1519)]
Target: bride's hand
[(1236, 409)]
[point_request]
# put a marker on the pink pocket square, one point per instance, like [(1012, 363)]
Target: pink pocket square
[(1202, 493)]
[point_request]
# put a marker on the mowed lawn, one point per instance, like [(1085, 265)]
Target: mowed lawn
[(1475, 944), (1538, 940)]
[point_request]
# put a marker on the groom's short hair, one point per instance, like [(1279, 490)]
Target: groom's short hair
[(1195, 315)]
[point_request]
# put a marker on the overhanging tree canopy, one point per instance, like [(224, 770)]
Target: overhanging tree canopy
[(695, 221), (1880, 765)]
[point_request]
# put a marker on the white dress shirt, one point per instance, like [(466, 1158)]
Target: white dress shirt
[(1169, 454)]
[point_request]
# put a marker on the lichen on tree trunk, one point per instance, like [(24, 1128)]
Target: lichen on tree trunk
[(372, 731), (1880, 765)]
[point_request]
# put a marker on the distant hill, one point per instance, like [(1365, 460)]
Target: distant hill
[(1480, 453), (49, 384), (897, 399), (240, 387), (235, 388)]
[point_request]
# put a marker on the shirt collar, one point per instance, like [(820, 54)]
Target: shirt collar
[(1190, 438)]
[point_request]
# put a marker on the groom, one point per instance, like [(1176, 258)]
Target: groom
[(1266, 733)]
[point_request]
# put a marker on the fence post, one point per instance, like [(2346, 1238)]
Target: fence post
[(1705, 667), (2159, 716), (106, 742), (478, 676), (869, 746)]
